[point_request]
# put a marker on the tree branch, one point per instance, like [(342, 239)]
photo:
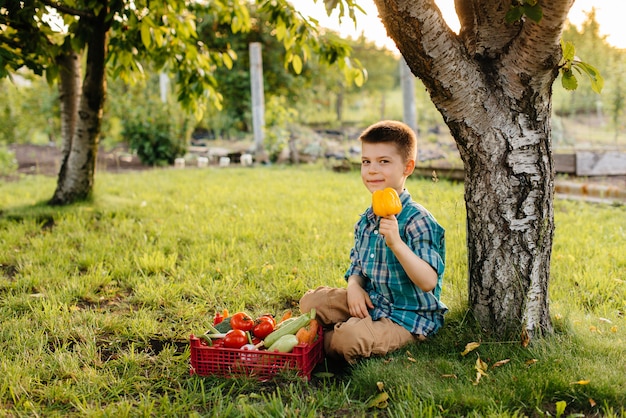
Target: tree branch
[(423, 38), (68, 10), (537, 47), (483, 26)]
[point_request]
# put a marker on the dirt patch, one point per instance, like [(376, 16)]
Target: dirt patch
[(46, 159)]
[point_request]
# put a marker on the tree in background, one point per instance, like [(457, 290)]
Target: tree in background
[(610, 61), (118, 37)]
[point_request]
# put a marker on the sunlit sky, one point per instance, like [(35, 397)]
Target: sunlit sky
[(609, 14)]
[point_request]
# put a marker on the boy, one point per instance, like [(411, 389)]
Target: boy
[(397, 262)]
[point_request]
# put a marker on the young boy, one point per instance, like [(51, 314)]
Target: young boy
[(397, 262)]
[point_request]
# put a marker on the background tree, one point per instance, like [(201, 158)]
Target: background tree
[(591, 45), (118, 37)]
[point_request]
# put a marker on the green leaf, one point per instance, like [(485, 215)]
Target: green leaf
[(560, 408), (51, 74), (330, 6), (568, 80), (569, 51), (146, 39), (158, 36), (360, 77), (597, 81), (379, 401), (534, 12), (514, 14), (228, 62), (296, 63)]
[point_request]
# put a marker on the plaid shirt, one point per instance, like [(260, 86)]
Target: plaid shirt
[(393, 294)]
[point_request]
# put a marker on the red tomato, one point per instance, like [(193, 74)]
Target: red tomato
[(262, 329), (235, 338), (267, 317), (242, 321)]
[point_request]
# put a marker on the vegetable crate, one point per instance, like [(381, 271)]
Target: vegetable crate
[(261, 364)]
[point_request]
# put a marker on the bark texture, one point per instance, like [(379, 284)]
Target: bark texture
[(80, 147), (492, 84), (69, 94)]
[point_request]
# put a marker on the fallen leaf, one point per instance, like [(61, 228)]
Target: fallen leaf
[(593, 328), (531, 361), (500, 363), (449, 376), (580, 382), (380, 386), (481, 369), (470, 347), (608, 321), (411, 359), (525, 338), (592, 402), (613, 329), (379, 401)]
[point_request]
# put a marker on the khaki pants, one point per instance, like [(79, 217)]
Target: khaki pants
[(351, 337)]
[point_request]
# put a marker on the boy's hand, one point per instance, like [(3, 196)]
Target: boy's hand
[(358, 301), (388, 228)]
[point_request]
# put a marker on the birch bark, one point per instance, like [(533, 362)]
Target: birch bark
[(76, 175)]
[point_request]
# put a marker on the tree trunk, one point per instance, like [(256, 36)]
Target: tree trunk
[(76, 175), (69, 94), (492, 84)]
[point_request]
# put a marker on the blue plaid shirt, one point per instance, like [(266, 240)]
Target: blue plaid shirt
[(391, 290)]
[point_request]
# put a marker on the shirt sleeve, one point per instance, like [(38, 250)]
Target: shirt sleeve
[(355, 266), (426, 239)]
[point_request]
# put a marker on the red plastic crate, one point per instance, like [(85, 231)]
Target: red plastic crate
[(261, 364)]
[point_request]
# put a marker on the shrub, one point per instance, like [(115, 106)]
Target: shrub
[(154, 141), (8, 163)]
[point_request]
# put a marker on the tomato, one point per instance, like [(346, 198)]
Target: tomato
[(267, 317), (262, 329), (235, 338), (242, 321)]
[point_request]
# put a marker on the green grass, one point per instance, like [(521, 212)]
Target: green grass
[(97, 301)]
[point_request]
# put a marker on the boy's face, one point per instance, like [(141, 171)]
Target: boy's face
[(382, 166)]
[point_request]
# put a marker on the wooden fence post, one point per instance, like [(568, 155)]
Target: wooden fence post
[(258, 97)]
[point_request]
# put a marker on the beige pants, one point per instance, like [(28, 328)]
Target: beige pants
[(351, 337)]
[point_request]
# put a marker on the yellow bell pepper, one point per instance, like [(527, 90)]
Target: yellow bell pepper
[(386, 202)]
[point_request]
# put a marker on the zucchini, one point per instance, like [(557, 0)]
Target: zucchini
[(284, 344), (289, 328)]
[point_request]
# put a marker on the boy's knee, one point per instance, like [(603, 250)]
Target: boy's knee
[(349, 342), (307, 301)]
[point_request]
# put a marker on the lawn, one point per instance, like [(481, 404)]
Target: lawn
[(97, 301)]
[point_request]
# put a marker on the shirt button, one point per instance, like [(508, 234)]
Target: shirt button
[(375, 232), (371, 255)]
